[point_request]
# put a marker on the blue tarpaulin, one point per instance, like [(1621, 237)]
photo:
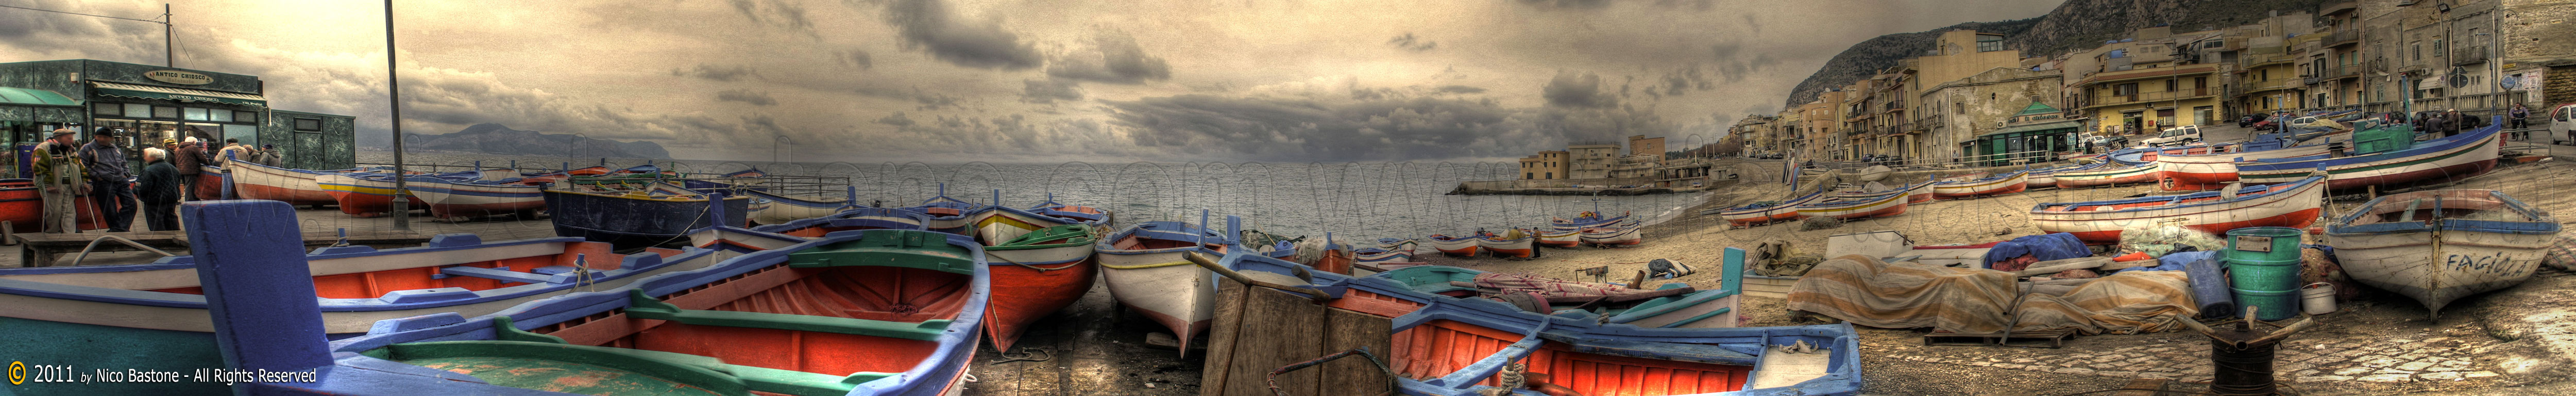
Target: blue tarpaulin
[(2045, 247)]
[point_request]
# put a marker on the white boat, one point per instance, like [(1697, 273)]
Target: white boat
[(2006, 184), (450, 199), (1566, 238), (292, 186), (1455, 246), (1515, 243), (2210, 171), (1148, 270), (2293, 205), (2437, 246), (1874, 173), (1613, 236), (1886, 204), (785, 208)]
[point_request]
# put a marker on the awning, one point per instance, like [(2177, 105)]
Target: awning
[(38, 97), (139, 91), (2068, 125)]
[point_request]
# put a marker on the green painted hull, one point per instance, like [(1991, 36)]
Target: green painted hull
[(90, 348)]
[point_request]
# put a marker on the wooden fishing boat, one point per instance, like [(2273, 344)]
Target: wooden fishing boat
[(153, 316), (1997, 185), (1455, 246), (364, 194), (292, 186), (1147, 271), (1267, 244), (2047, 178), (950, 215), (2109, 175), (1514, 243), (2432, 161), (651, 214), (1337, 257), (1040, 264), (2437, 246), (883, 312), (2131, 157), (1096, 217), (852, 219), (1586, 220), (1757, 214), (2210, 171), (1613, 236), (452, 199), (22, 205), (1873, 173), (1448, 346), (1376, 255), (1567, 238), (734, 183), (1405, 245), (2294, 205), (1886, 204), (211, 183), (784, 208), (1916, 193)]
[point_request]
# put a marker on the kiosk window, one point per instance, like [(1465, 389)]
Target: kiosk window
[(245, 116), (219, 115), (107, 109), (165, 112), (193, 114), (308, 124), (137, 110)]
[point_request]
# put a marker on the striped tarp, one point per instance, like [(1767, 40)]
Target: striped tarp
[(1907, 295)]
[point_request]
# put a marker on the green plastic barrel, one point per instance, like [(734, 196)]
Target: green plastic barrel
[(2264, 259), (2268, 304)]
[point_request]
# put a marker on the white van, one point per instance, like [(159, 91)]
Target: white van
[(2176, 136), (2561, 120)]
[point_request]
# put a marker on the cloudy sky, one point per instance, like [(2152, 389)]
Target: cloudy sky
[(1022, 80)]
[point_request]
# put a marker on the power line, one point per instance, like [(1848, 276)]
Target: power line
[(93, 15)]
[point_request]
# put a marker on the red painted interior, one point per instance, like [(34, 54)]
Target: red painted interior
[(1441, 347), (873, 293), (376, 283)]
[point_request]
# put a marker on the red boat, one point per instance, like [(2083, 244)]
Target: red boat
[(22, 206)]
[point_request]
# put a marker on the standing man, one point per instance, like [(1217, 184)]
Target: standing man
[(2519, 114), (189, 160), (110, 194), (60, 178), (232, 148), (159, 190)]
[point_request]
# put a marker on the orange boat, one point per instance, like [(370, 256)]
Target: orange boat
[(22, 206), (1035, 271)]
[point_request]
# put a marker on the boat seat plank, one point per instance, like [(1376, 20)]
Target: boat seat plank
[(1698, 353), (644, 307), (499, 274)]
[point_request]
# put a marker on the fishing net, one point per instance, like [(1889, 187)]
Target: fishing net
[(2561, 254), (2162, 240)]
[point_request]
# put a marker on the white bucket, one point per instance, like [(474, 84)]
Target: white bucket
[(2318, 298)]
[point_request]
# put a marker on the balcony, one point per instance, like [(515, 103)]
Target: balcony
[(2272, 85), (2469, 55), (2343, 38), (2116, 100), (2150, 73)]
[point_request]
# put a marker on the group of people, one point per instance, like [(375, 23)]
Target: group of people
[(66, 169)]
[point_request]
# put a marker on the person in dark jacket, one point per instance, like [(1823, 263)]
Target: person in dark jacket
[(158, 188), (110, 194), (189, 159)]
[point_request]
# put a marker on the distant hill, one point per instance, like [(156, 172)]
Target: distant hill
[(500, 139), (2075, 25)]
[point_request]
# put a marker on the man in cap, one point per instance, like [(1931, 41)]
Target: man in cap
[(232, 148), (189, 158), (111, 194), (60, 179)]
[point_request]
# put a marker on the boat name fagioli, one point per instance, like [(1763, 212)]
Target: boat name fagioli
[(2492, 263)]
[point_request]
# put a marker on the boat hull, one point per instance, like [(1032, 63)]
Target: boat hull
[(2211, 171), (23, 206), (2106, 177), (461, 200), (2016, 182), (2387, 169), (1560, 238), (1522, 247), (1881, 206), (635, 222), (292, 186), (1455, 247), (1052, 279), (783, 209), (2438, 261), (1784, 211), (363, 197), (2296, 207), (1180, 296), (1622, 236)]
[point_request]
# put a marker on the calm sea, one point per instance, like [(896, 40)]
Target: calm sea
[(1355, 201)]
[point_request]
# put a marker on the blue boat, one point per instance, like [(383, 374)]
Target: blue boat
[(950, 215), (875, 312), (2388, 156), (1096, 217), (651, 213), (155, 317), (1447, 346)]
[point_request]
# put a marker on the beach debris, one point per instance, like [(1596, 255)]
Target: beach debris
[(2562, 254), (1667, 269), (2167, 239)]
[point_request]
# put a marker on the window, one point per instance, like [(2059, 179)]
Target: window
[(2437, 46), (246, 116), (2129, 89), (138, 110), (165, 112), (2418, 47), (2169, 85), (1990, 46), (308, 124), (107, 109), (219, 115), (193, 113)]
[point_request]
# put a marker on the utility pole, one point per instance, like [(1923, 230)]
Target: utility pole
[(393, 70), (169, 56)]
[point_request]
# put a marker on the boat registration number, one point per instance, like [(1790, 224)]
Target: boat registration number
[(2258, 244)]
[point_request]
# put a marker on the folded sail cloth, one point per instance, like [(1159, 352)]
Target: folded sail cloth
[(1967, 300), (1553, 289)]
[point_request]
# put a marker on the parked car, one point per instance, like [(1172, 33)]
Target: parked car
[(2561, 121), (2176, 136)]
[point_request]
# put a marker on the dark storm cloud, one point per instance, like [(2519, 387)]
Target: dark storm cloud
[(932, 27), (1458, 89), (717, 73), (776, 13), (1048, 91), (1734, 66), (756, 98), (1569, 89), (898, 119), (1410, 43), (95, 38), (856, 58), (1394, 129), (1112, 58), (1681, 81)]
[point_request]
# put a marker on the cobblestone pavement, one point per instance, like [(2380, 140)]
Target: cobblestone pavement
[(2351, 358)]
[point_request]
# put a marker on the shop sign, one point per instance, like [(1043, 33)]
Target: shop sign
[(179, 77)]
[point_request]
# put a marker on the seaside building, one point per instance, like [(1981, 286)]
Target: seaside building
[(2038, 131), (2268, 75), (1957, 112), (2333, 67), (1546, 165), (2144, 84), (1590, 161), (1754, 133), (2547, 67), (154, 103)]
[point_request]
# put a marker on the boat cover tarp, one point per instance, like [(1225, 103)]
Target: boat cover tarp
[(2042, 247), (1967, 300), (1552, 288)]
